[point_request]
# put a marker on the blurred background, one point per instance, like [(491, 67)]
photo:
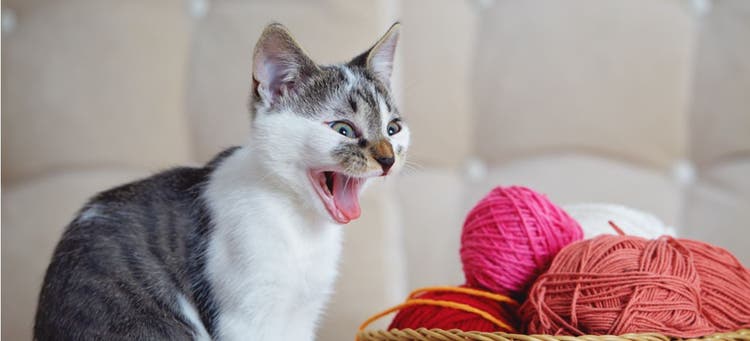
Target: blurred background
[(638, 102)]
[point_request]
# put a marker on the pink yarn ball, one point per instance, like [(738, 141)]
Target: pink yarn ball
[(510, 237)]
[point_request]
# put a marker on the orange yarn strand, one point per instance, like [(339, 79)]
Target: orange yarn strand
[(468, 291), (413, 301)]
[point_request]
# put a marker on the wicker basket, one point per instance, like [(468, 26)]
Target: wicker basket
[(455, 334), (425, 334)]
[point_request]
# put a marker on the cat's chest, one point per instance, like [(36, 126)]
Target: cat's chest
[(263, 244), (308, 258), (265, 261)]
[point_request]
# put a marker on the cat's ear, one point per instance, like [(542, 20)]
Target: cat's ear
[(278, 64), (379, 58)]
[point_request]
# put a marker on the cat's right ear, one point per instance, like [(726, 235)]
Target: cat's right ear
[(379, 58), (278, 63)]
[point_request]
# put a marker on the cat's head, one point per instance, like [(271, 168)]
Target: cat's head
[(324, 131)]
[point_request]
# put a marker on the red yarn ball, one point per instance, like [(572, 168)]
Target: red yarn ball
[(446, 318), (510, 237), (623, 284)]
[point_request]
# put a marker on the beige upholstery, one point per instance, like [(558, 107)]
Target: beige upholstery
[(570, 179), (432, 236), (436, 88), (542, 96), (720, 109), (88, 84), (640, 103)]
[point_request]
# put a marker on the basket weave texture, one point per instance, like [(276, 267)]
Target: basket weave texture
[(459, 335), (425, 334)]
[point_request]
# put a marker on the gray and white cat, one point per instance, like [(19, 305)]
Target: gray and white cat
[(246, 247)]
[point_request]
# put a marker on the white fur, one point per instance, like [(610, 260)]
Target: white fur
[(272, 260), (191, 314)]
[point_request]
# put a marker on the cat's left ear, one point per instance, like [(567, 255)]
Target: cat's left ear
[(379, 58)]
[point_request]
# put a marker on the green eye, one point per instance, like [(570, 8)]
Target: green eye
[(344, 128), (394, 127)]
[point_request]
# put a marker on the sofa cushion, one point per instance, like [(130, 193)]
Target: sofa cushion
[(94, 83), (718, 215), (581, 178), (720, 111), (433, 207), (437, 88), (608, 77)]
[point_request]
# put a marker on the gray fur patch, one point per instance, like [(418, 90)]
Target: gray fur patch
[(343, 90), (351, 157)]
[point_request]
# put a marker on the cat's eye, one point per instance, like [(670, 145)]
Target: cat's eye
[(344, 128), (394, 127)]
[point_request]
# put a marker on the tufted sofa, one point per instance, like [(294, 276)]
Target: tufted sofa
[(638, 102)]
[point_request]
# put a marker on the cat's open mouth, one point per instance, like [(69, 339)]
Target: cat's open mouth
[(339, 194)]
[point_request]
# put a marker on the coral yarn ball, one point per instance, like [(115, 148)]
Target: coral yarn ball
[(446, 318), (510, 237), (725, 285), (615, 285)]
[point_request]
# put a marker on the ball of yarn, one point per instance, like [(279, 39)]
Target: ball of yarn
[(625, 284), (510, 237), (594, 219), (425, 315), (725, 285)]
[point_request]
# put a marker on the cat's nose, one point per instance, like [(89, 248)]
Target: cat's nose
[(386, 163), (382, 152)]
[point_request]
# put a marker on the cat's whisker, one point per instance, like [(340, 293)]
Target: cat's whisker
[(411, 167), (409, 171), (413, 163), (346, 182)]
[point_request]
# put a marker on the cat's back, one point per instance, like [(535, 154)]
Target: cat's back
[(127, 260)]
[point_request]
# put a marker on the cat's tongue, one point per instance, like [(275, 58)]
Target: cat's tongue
[(345, 197)]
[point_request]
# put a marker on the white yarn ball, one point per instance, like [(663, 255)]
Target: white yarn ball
[(594, 220)]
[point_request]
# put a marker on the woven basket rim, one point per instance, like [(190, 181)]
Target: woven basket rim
[(456, 334)]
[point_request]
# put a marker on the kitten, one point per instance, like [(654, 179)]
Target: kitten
[(246, 247)]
